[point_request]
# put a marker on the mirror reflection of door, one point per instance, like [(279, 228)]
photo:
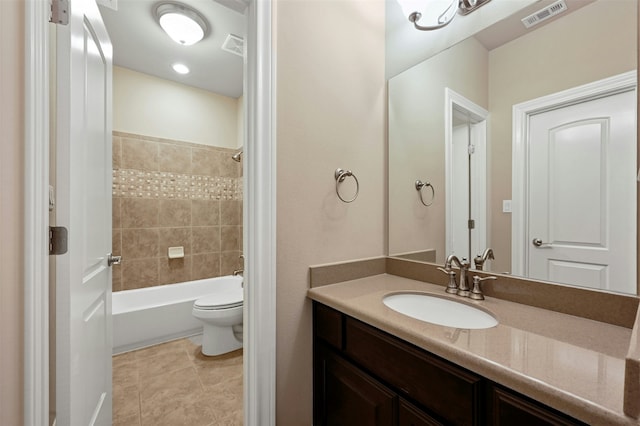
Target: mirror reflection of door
[(466, 177), (581, 205)]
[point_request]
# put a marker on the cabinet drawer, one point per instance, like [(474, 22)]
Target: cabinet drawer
[(327, 323), (441, 387), (507, 408)]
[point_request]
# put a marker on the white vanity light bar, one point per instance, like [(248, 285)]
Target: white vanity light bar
[(543, 14)]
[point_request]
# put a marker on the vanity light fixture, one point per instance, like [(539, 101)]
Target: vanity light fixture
[(446, 11), (180, 68), (183, 24)]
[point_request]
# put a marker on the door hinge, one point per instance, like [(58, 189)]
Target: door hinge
[(472, 149), (57, 240), (59, 12), (471, 224)]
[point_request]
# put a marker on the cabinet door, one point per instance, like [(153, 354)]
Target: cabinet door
[(349, 396), (507, 408), (409, 415)]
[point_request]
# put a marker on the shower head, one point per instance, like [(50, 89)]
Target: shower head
[(237, 156)]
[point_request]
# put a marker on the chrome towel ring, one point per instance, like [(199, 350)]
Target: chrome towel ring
[(340, 176), (419, 186)]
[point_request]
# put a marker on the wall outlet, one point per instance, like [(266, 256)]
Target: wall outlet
[(506, 206)]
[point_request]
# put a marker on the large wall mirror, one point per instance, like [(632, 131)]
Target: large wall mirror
[(527, 140)]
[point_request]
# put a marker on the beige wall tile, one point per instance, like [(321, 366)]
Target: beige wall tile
[(205, 266), (115, 213), (117, 152), (230, 238), (175, 213), (228, 167), (206, 239), (174, 158), (116, 271), (205, 212), (205, 162), (174, 237), (139, 212), (172, 271), (151, 225), (229, 262), (230, 212), (139, 155), (140, 243), (139, 273)]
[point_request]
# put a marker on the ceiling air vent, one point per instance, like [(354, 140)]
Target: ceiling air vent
[(543, 14), (234, 44)]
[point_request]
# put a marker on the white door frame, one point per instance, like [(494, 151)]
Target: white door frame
[(36, 205), (479, 174), (520, 152), (259, 218)]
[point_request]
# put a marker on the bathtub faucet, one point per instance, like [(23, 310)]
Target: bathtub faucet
[(241, 270)]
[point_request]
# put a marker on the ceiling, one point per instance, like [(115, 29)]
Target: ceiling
[(141, 45)]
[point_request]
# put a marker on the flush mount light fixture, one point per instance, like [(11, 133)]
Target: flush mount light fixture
[(180, 68), (438, 13), (183, 24)]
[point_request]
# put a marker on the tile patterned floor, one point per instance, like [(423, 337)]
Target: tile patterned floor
[(174, 384)]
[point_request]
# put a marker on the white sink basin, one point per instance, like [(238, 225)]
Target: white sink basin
[(438, 310)]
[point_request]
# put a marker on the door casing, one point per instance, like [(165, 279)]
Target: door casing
[(259, 220)]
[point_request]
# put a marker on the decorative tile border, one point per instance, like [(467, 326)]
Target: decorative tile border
[(128, 183)]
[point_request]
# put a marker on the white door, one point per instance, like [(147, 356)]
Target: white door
[(83, 276), (582, 194)]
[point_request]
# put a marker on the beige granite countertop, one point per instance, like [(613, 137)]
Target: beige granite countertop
[(573, 364)]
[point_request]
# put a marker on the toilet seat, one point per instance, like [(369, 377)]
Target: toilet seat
[(221, 300)]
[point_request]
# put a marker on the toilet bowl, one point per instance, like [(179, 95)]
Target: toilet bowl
[(221, 314)]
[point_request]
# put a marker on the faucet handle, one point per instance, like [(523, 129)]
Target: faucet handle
[(452, 287), (476, 291)]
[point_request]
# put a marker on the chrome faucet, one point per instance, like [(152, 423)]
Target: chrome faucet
[(463, 285), (481, 258)]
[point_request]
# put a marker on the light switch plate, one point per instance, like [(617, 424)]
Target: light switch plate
[(506, 206)]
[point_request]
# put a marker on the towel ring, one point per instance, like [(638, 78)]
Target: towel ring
[(340, 176), (419, 186)]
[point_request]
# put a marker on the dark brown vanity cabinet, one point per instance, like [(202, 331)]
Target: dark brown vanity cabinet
[(364, 376)]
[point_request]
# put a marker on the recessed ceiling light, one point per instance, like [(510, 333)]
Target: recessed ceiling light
[(184, 25), (180, 68)]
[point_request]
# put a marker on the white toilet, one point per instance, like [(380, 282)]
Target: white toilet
[(221, 313)]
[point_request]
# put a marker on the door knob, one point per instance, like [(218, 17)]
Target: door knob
[(113, 260), (538, 243)]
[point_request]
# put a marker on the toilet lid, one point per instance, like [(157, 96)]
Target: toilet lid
[(221, 300)]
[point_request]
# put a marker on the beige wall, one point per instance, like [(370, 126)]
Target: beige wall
[(330, 100), (416, 141), (169, 193), (11, 211), (147, 105), (594, 42)]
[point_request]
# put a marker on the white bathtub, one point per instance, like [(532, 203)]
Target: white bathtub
[(147, 316)]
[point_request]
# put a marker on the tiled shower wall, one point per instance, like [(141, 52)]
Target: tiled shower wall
[(169, 193)]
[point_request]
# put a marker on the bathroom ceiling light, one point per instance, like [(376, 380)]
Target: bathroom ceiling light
[(440, 11), (184, 25), (180, 68)]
